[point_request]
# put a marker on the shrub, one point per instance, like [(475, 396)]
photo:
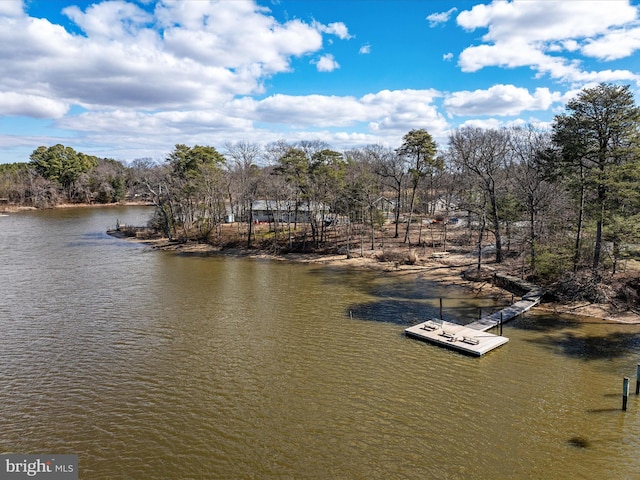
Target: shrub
[(551, 264)]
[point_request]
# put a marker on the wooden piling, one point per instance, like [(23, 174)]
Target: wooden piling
[(638, 379), (625, 393), (441, 315), (500, 323)]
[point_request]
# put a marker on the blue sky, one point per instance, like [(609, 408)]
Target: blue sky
[(128, 79)]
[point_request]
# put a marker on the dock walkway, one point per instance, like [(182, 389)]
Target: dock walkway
[(530, 300)]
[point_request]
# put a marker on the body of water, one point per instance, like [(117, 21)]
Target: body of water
[(150, 364)]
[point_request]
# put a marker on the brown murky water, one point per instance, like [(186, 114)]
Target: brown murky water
[(154, 365)]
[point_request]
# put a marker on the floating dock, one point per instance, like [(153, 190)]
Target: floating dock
[(473, 338), (456, 337)]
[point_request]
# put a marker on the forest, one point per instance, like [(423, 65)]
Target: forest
[(562, 203)]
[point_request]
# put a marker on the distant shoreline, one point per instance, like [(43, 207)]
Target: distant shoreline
[(447, 271), (11, 208)]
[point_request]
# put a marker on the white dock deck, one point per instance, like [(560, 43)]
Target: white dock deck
[(472, 338), (456, 337)]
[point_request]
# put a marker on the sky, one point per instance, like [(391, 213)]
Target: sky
[(127, 79)]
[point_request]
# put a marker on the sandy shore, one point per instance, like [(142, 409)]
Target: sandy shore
[(447, 271)]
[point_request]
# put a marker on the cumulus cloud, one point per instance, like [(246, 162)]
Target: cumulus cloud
[(617, 44), (11, 8), (35, 106), (302, 111), (545, 21), (484, 123), (400, 108), (381, 115), (436, 19), (338, 29), (327, 63), (185, 72), (183, 54), (190, 72), (342, 121), (112, 20), (502, 100), (523, 33), (164, 123)]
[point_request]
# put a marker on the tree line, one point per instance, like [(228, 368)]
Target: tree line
[(565, 199)]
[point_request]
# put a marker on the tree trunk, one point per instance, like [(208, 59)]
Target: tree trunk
[(396, 212), (598, 247), (250, 221), (495, 220), (482, 225), (532, 239), (373, 230), (444, 237), (413, 196), (576, 253)]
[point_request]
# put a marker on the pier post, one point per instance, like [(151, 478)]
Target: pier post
[(441, 319), (625, 393), (500, 323), (638, 379)]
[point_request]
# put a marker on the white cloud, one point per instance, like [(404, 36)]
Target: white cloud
[(398, 111), (510, 55), (112, 20), (401, 109), (500, 100), (11, 8), (302, 111), (436, 19), (338, 29), (159, 124), (523, 33), (496, 124), (381, 117), (616, 44), (207, 53), (35, 106), (189, 72), (546, 21), (484, 123), (327, 63), (234, 35)]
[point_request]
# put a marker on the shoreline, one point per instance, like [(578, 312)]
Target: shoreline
[(10, 208), (445, 271)]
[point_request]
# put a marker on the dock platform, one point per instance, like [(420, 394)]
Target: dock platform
[(473, 338), (456, 337)]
